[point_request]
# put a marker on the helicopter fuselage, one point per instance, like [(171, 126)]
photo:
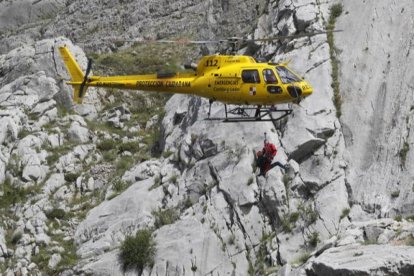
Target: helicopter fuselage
[(227, 79)]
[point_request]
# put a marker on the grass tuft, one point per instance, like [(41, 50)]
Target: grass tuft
[(138, 252)]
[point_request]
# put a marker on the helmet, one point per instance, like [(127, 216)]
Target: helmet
[(270, 149)]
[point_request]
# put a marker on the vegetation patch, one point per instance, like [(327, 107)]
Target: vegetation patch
[(345, 213), (106, 145), (403, 153), (23, 133), (41, 259), (286, 224), (71, 177), (312, 239), (131, 146), (56, 213), (293, 217), (250, 181), (395, 194), (123, 165), (308, 214), (138, 252), (335, 12), (303, 258), (143, 59), (164, 217), (409, 240), (12, 195)]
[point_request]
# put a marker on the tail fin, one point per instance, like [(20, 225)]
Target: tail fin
[(71, 64), (75, 73)]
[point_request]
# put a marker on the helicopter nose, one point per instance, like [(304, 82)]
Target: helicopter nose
[(307, 92), (294, 91)]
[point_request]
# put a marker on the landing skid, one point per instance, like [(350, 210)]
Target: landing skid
[(252, 114)]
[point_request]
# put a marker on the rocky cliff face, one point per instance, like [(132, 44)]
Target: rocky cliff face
[(75, 185)]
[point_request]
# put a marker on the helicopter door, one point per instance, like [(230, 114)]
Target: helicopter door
[(271, 83), (250, 83)]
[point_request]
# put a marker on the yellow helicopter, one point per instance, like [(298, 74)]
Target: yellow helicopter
[(255, 86)]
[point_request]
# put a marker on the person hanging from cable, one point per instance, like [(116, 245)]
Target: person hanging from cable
[(265, 157)]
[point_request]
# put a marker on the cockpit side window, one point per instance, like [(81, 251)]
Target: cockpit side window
[(269, 76), (250, 76), (286, 76)]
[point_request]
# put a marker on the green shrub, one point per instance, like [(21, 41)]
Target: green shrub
[(138, 252), (119, 185), (173, 179), (165, 217), (131, 146), (313, 239), (124, 164), (106, 145), (56, 213), (157, 183), (11, 194), (409, 240), (404, 152), (71, 177), (345, 213), (395, 194), (23, 133), (52, 159), (336, 10), (286, 225), (303, 258), (167, 153), (109, 156), (294, 217), (308, 214)]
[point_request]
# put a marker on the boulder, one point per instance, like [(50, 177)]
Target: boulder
[(141, 171), (54, 261), (305, 15), (78, 133), (54, 182), (9, 129), (3, 247), (364, 260)]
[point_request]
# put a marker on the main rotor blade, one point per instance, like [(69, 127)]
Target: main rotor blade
[(184, 41), (278, 37)]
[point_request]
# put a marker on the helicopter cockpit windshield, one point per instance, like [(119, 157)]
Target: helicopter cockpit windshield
[(286, 76)]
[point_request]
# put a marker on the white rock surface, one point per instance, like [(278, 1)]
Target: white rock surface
[(365, 260), (113, 219), (376, 86), (3, 246), (360, 163)]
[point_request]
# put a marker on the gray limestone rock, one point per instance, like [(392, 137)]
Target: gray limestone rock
[(377, 105), (141, 171), (54, 182), (364, 260), (54, 261), (3, 247), (113, 219), (2, 171), (345, 172), (78, 133)]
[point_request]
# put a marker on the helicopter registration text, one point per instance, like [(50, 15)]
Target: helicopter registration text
[(163, 84)]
